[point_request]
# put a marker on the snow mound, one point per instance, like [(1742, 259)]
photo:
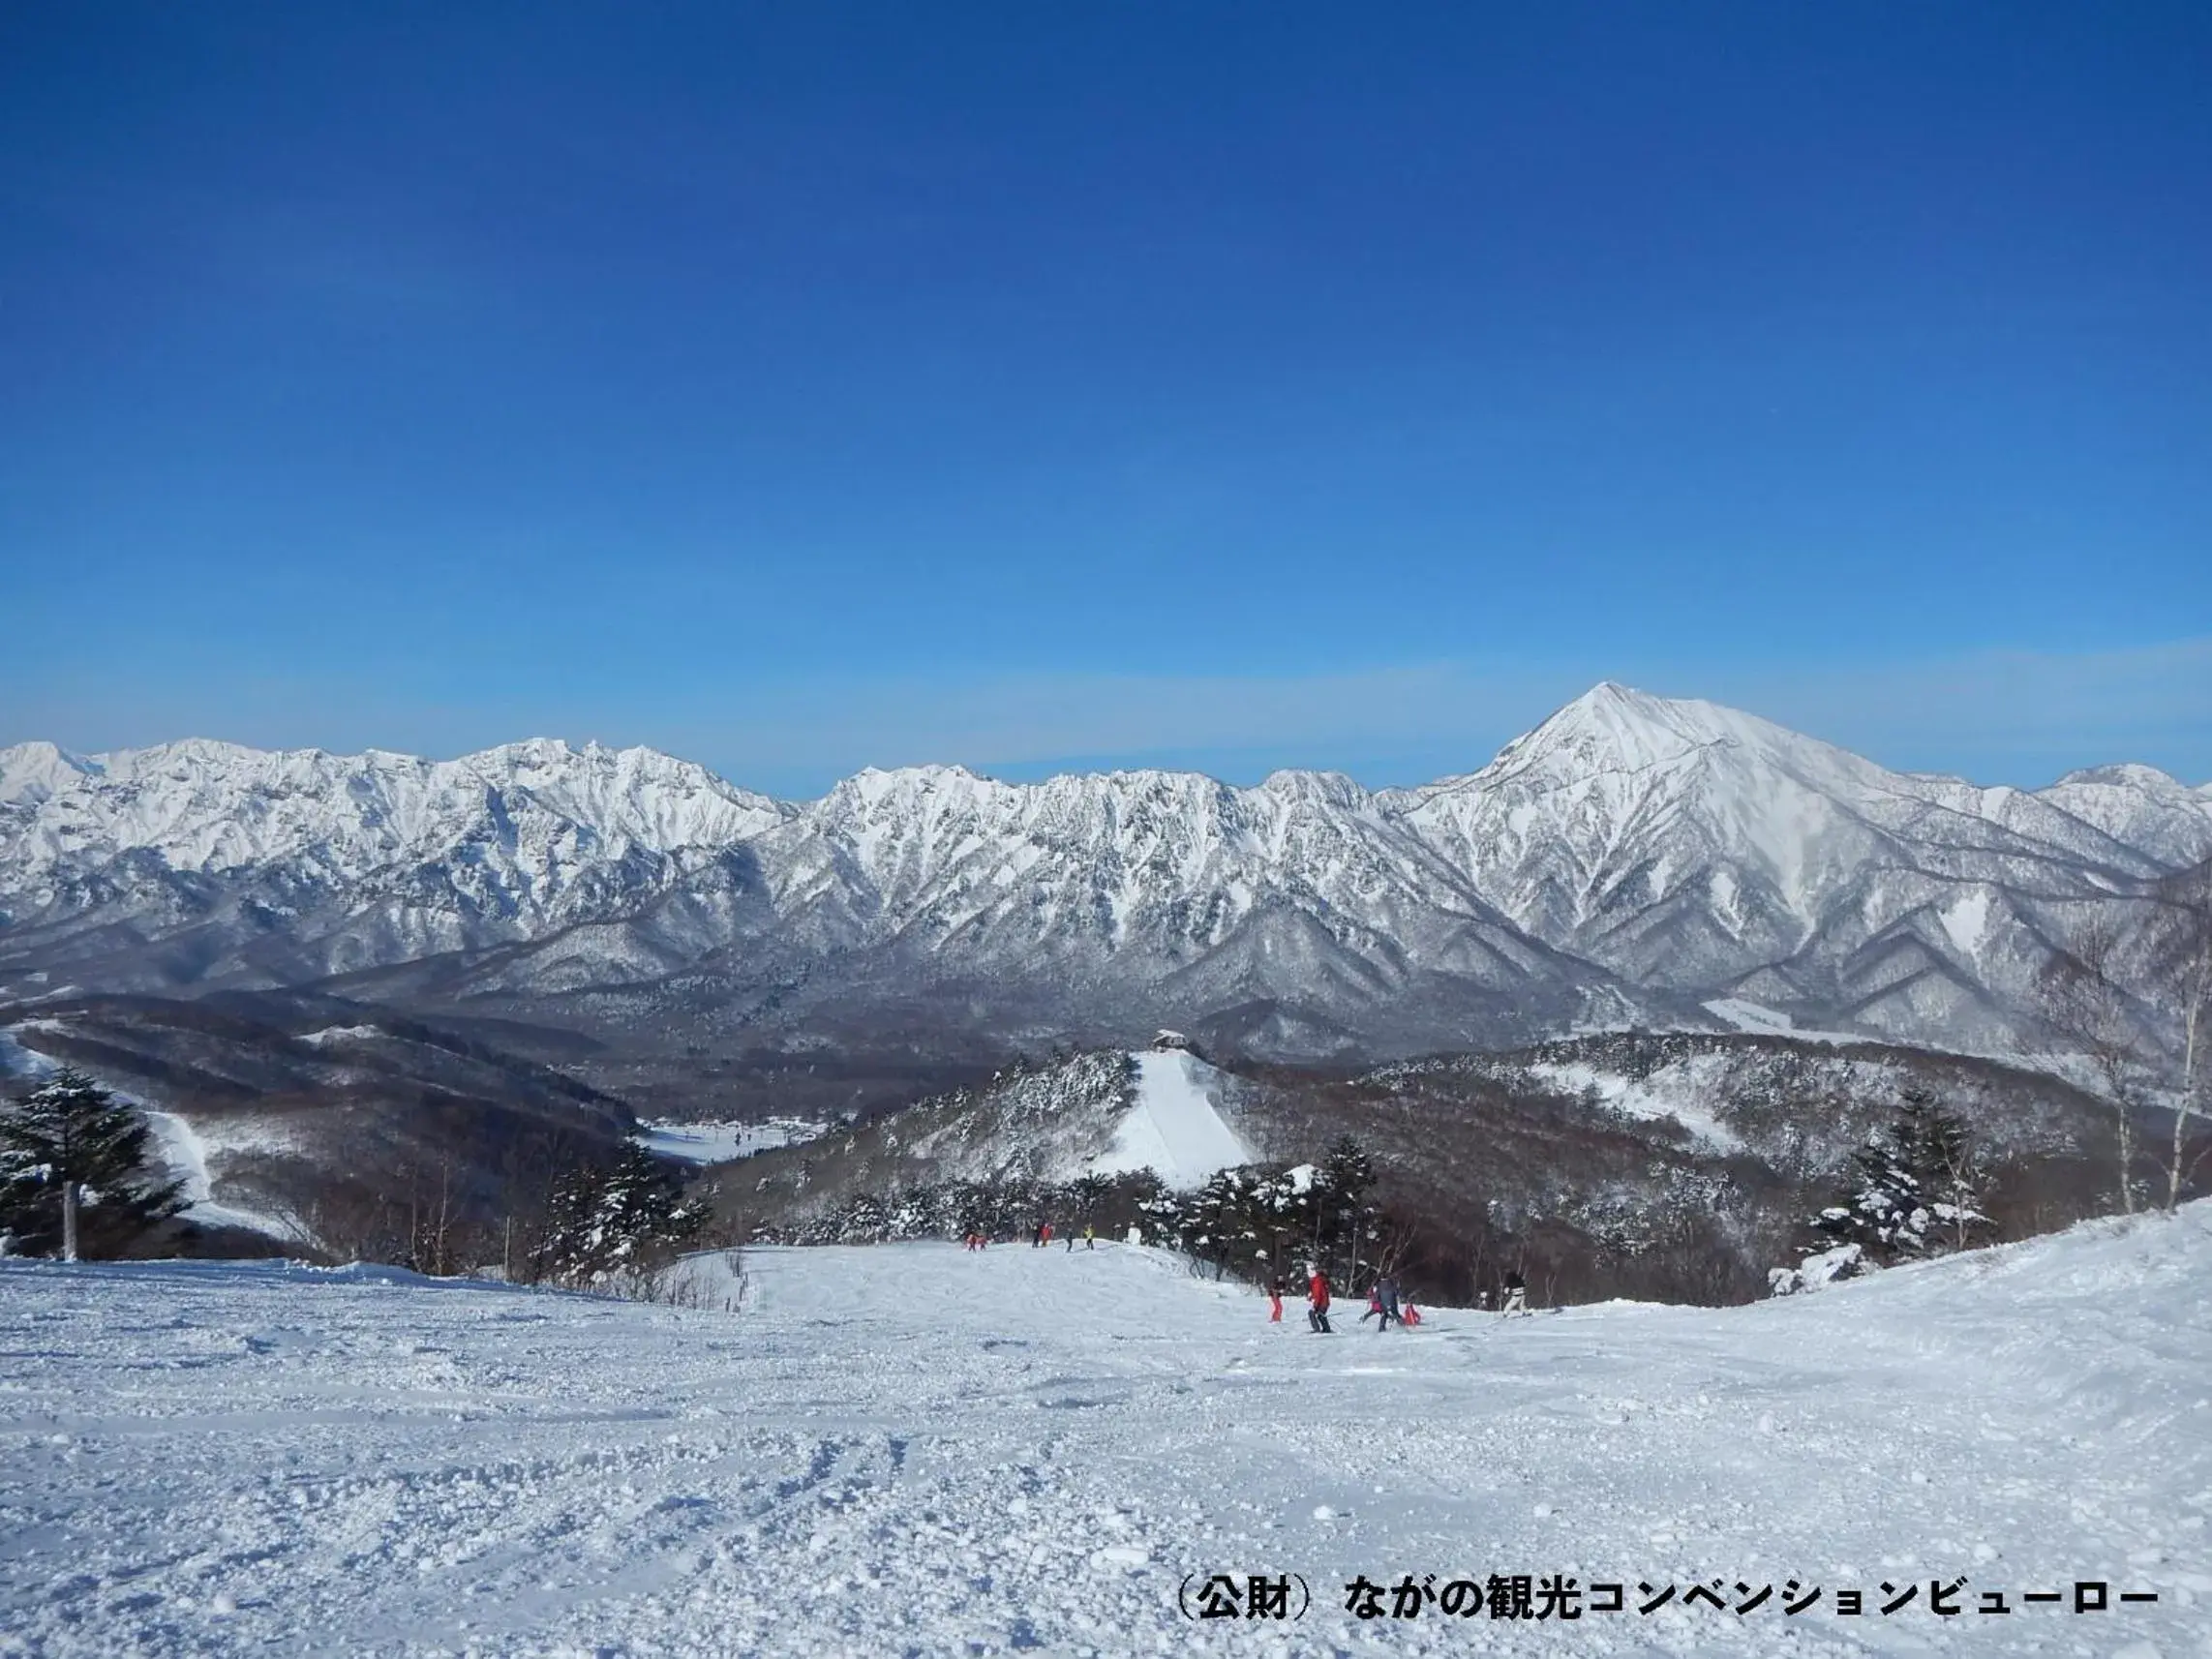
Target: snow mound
[(1175, 1128)]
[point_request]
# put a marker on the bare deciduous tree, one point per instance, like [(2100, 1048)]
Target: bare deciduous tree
[(2187, 959), (2091, 1010)]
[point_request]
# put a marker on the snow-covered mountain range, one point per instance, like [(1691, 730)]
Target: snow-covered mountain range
[(1633, 859)]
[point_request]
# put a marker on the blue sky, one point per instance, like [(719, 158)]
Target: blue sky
[(800, 388)]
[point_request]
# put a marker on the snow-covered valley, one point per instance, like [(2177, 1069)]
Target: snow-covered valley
[(917, 1449)]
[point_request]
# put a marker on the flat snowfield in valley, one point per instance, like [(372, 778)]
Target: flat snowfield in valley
[(918, 1450)]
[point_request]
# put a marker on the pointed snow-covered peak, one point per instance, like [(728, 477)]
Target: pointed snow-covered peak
[(1637, 728), (642, 794), (1616, 729)]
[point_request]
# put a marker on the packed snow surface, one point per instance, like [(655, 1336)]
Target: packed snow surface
[(1174, 1128), (919, 1450), (719, 1142)]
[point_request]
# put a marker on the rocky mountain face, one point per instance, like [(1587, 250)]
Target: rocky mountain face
[(1630, 862)]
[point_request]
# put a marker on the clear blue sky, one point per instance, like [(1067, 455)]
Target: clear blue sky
[(806, 386)]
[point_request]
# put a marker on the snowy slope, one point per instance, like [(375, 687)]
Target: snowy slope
[(1175, 1127), (189, 1153), (919, 1450)]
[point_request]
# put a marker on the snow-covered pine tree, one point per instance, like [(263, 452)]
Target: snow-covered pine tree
[(78, 1173), (1341, 1216), (1087, 1195), (1949, 1170), (863, 1218), (1915, 1189), (601, 1218)]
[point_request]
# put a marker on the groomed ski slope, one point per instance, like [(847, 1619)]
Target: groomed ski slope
[(916, 1450), (1174, 1128)]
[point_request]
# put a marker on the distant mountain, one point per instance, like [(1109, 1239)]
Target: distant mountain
[(1629, 862), (1692, 848)]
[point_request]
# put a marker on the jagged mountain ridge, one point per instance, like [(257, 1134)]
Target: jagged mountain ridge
[(1624, 861)]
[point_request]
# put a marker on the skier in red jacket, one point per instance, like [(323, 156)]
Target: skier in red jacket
[(1318, 1299)]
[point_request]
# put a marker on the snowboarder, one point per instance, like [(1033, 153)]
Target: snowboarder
[(1318, 1299), (1516, 1294), (1275, 1300)]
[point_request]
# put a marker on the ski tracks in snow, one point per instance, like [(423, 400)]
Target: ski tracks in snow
[(920, 1449)]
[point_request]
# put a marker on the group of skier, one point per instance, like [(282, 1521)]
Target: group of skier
[(1383, 1304), (1382, 1300), (1040, 1236)]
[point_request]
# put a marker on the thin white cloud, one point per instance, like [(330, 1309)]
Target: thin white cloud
[(2143, 703), (1999, 716)]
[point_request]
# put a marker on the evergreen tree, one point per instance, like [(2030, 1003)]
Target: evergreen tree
[(629, 1214), (1347, 1169), (1915, 1189), (1340, 1217), (77, 1173), (1089, 1193)]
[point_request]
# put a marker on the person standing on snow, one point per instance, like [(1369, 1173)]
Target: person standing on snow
[(1386, 1302), (1275, 1300), (1516, 1294), (1090, 1236), (1318, 1299)]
